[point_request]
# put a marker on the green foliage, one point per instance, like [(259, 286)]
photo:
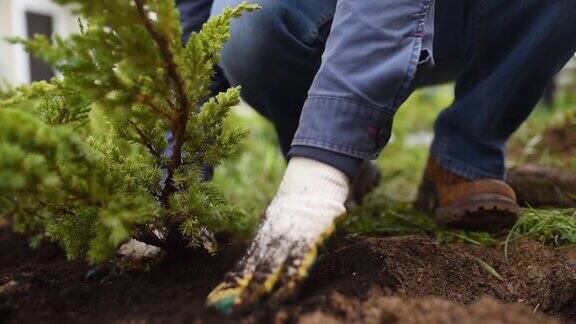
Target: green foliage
[(6, 91), (91, 191), (552, 226)]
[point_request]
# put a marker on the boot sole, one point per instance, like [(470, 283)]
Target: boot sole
[(482, 212)]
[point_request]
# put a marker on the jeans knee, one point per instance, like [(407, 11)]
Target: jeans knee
[(264, 39)]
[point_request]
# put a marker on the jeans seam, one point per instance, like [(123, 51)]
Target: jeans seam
[(438, 152), (461, 168), (382, 109), (480, 41), (410, 70), (442, 145), (314, 34), (340, 148)]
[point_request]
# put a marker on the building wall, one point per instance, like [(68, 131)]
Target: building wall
[(6, 50), (14, 63)]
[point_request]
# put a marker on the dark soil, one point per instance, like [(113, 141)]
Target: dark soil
[(561, 139), (409, 279), (538, 186)]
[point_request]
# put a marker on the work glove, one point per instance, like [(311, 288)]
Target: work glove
[(309, 201)]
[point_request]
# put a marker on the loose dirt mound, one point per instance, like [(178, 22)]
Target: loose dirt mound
[(546, 175), (561, 139), (380, 309), (399, 279), (362, 274), (538, 186)]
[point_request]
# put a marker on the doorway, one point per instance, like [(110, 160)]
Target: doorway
[(44, 25)]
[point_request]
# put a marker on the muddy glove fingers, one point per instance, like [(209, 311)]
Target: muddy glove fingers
[(297, 267), (284, 269), (227, 294), (309, 200), (264, 279), (248, 282), (273, 261), (295, 271), (224, 295)]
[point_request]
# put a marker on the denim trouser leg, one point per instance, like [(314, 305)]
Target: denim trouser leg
[(514, 51), (503, 53), (274, 54)]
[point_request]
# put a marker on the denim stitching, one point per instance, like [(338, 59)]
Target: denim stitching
[(331, 144), (442, 144), (383, 109), (480, 41), (463, 169), (314, 34), (344, 149), (413, 62), (352, 108)]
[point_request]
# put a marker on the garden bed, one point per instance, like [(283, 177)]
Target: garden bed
[(410, 279)]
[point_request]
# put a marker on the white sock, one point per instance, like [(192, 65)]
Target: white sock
[(311, 196)]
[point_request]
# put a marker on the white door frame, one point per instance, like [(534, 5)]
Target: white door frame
[(20, 29)]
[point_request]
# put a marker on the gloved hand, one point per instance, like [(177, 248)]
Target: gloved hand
[(309, 200)]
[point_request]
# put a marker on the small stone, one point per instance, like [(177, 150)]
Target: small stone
[(8, 287), (137, 250)]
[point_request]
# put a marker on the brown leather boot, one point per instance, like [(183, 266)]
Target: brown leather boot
[(367, 179), (483, 205)]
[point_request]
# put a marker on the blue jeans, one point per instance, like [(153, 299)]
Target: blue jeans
[(501, 53)]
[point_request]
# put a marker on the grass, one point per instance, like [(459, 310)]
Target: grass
[(551, 226), (251, 179), (488, 268)]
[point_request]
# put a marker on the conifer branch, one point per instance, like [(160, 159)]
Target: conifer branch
[(179, 129), (145, 140), (167, 55), (146, 100), (75, 193)]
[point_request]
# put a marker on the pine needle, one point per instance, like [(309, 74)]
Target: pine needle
[(488, 268)]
